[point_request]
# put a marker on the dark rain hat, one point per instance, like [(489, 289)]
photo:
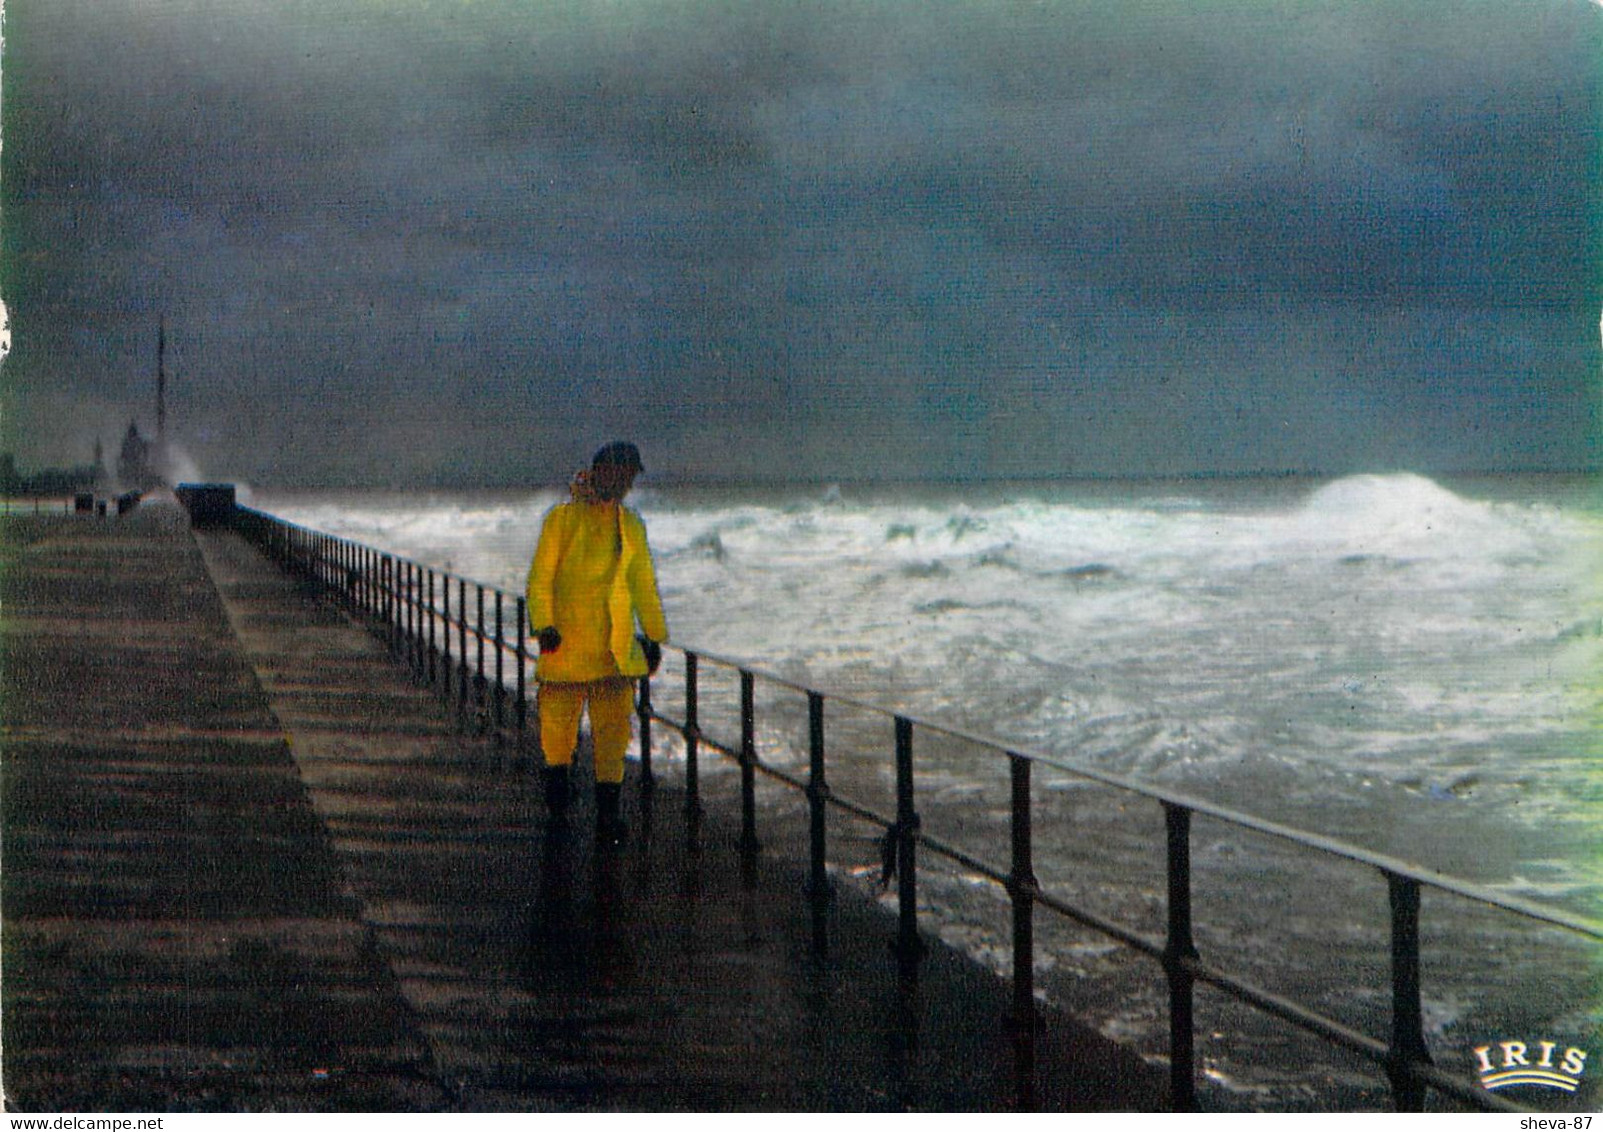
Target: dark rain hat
[(619, 453)]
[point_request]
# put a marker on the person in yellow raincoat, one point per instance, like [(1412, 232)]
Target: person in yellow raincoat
[(590, 580)]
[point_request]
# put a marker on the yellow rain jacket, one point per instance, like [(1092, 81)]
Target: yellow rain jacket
[(591, 577)]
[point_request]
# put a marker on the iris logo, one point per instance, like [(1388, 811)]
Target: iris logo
[(1516, 1063)]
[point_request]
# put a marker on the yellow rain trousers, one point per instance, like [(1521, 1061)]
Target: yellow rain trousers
[(591, 578), (611, 705)]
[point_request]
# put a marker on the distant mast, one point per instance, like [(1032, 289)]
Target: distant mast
[(161, 383)]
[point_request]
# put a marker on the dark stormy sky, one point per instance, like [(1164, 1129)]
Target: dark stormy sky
[(403, 241)]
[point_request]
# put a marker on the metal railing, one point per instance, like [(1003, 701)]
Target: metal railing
[(463, 648), (411, 606)]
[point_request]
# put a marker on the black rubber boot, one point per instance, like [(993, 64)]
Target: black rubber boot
[(557, 792), (609, 826)]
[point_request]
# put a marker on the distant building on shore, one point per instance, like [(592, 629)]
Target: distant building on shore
[(136, 465), (50, 481)]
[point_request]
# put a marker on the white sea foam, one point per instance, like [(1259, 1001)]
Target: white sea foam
[(1354, 619)]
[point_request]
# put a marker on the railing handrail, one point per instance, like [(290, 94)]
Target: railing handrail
[(1405, 1057), (1321, 842), (1305, 838)]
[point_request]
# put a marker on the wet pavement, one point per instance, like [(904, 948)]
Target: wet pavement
[(249, 864)]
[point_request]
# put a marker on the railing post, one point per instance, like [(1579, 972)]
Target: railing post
[(748, 763), (523, 664), (692, 737), (1023, 888), (1178, 953), (478, 634), (390, 609), (403, 615), (908, 943), (392, 605), (447, 677), (419, 637), (398, 584), (1408, 1047), (434, 654), (817, 796), (462, 646), (414, 652), (500, 677)]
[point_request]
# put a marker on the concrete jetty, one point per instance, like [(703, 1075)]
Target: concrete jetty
[(248, 865)]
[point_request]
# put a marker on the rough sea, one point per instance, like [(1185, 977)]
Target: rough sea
[(1407, 665)]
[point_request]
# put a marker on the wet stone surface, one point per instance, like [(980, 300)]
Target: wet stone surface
[(275, 875), (176, 931)]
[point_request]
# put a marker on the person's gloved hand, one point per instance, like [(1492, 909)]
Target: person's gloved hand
[(550, 640), (653, 653)]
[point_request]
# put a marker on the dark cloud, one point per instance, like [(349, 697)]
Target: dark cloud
[(467, 238)]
